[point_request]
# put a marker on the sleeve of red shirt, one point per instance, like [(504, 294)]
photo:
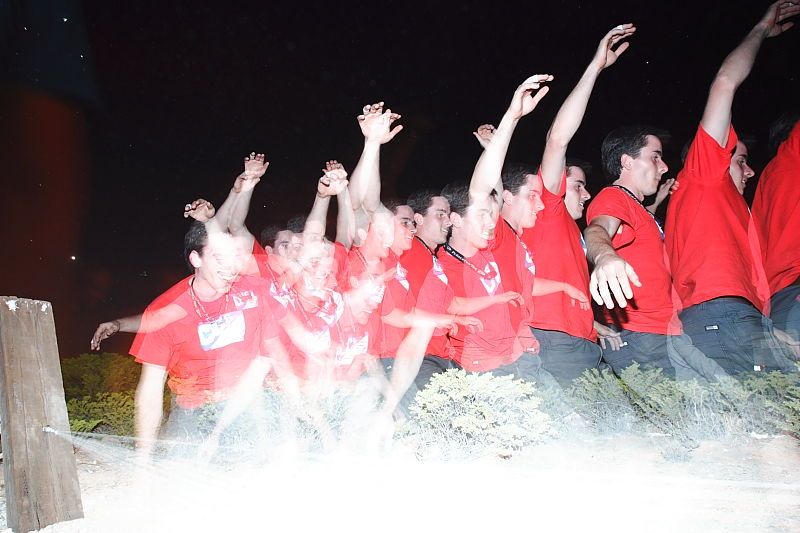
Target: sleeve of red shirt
[(340, 266), (615, 203), (706, 160)]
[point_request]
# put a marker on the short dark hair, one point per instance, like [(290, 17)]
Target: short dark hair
[(780, 129), (421, 201), (515, 175), (392, 204), (458, 195), (296, 224), (581, 164), (269, 234), (194, 241), (625, 140)]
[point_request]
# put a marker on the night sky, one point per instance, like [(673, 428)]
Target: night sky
[(176, 93)]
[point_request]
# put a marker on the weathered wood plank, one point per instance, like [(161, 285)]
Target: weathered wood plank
[(40, 472)]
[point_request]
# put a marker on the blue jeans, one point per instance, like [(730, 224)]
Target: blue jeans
[(566, 357), (736, 335), (649, 350)]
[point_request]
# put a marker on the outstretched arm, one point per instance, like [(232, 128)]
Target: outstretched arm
[(487, 174), (149, 401), (570, 115), (611, 274), (736, 67)]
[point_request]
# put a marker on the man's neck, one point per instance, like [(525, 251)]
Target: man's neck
[(428, 242), (628, 184), (204, 291), (461, 244), (506, 216)]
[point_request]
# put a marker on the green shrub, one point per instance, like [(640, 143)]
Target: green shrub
[(92, 373), (112, 410), (462, 413)]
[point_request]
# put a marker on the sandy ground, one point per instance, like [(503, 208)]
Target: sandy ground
[(619, 483)]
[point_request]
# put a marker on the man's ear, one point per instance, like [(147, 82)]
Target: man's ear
[(507, 197), (456, 219), (268, 249), (195, 259), (419, 219), (626, 161)]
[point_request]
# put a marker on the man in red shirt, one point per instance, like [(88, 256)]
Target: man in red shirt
[(777, 220), (566, 331), (625, 243), (214, 352), (710, 238)]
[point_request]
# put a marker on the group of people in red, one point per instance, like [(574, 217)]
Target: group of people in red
[(492, 275)]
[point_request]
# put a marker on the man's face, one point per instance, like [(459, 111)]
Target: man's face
[(380, 235), (576, 195), (435, 224), (404, 229), (287, 247), (527, 203), (316, 260), (648, 168), (740, 170), (219, 261), (479, 221)]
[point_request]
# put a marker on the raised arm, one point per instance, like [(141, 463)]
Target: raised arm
[(487, 174), (736, 67), (232, 213), (333, 182), (611, 274), (570, 115), (376, 126)]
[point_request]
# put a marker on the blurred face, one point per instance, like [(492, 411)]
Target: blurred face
[(316, 260), (380, 235), (287, 247), (404, 229), (740, 170), (648, 167), (577, 195), (218, 263), (434, 226), (525, 206), (478, 223)]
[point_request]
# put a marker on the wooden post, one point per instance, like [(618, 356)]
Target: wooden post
[(40, 472)]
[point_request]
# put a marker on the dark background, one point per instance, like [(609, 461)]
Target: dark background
[(174, 94)]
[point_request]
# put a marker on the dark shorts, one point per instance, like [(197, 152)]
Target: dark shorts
[(566, 357), (786, 310), (431, 364), (736, 335)]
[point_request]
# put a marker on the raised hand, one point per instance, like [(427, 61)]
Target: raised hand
[(255, 165), (525, 100), (334, 181), (484, 134), (200, 210), (612, 275), (376, 124), (772, 21), (606, 55)]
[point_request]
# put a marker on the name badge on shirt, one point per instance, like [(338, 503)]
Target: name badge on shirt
[(529, 263), (345, 355), (400, 275), (438, 271), (226, 330)]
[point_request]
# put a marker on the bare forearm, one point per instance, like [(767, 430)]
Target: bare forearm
[(470, 306), (367, 170), (345, 220), (316, 221), (543, 286), (598, 243), (487, 174)]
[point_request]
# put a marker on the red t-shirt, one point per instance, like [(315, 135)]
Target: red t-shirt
[(505, 335), (435, 297), (639, 243), (206, 357), (557, 247), (342, 342), (710, 238), (418, 261), (776, 213), (396, 295)]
